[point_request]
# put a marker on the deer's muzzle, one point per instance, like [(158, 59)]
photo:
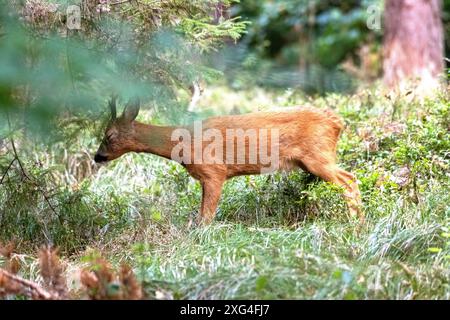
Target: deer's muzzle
[(100, 158)]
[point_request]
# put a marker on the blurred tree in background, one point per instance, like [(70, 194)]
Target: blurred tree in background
[(414, 42)]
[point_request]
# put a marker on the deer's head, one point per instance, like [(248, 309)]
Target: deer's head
[(120, 135)]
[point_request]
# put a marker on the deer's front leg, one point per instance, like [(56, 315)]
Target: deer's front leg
[(210, 198)]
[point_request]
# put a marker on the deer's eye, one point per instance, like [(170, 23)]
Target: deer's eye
[(110, 136)]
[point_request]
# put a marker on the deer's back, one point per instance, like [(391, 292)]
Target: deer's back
[(300, 132)]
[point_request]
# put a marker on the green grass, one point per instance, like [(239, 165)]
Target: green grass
[(321, 260), (283, 236)]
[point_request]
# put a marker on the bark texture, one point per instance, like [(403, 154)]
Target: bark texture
[(413, 43)]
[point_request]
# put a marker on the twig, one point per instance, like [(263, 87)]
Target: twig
[(25, 174), (17, 158), (7, 169), (118, 2), (196, 92)]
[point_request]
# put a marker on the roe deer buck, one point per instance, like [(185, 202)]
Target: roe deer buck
[(304, 138)]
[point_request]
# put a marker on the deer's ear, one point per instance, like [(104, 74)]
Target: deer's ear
[(112, 107), (131, 110)]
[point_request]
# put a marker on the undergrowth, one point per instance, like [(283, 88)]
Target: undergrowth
[(285, 235)]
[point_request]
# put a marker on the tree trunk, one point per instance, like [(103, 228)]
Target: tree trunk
[(413, 43)]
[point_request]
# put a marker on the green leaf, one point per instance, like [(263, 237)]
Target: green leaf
[(350, 296), (261, 283), (156, 215)]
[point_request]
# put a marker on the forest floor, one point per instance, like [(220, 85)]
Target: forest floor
[(283, 236)]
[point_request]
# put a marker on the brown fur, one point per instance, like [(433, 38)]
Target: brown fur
[(307, 139)]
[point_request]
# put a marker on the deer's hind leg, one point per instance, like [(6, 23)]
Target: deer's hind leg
[(324, 166), (353, 195)]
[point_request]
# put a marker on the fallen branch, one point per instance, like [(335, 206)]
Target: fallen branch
[(14, 284)]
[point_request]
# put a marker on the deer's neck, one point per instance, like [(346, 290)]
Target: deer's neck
[(155, 139)]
